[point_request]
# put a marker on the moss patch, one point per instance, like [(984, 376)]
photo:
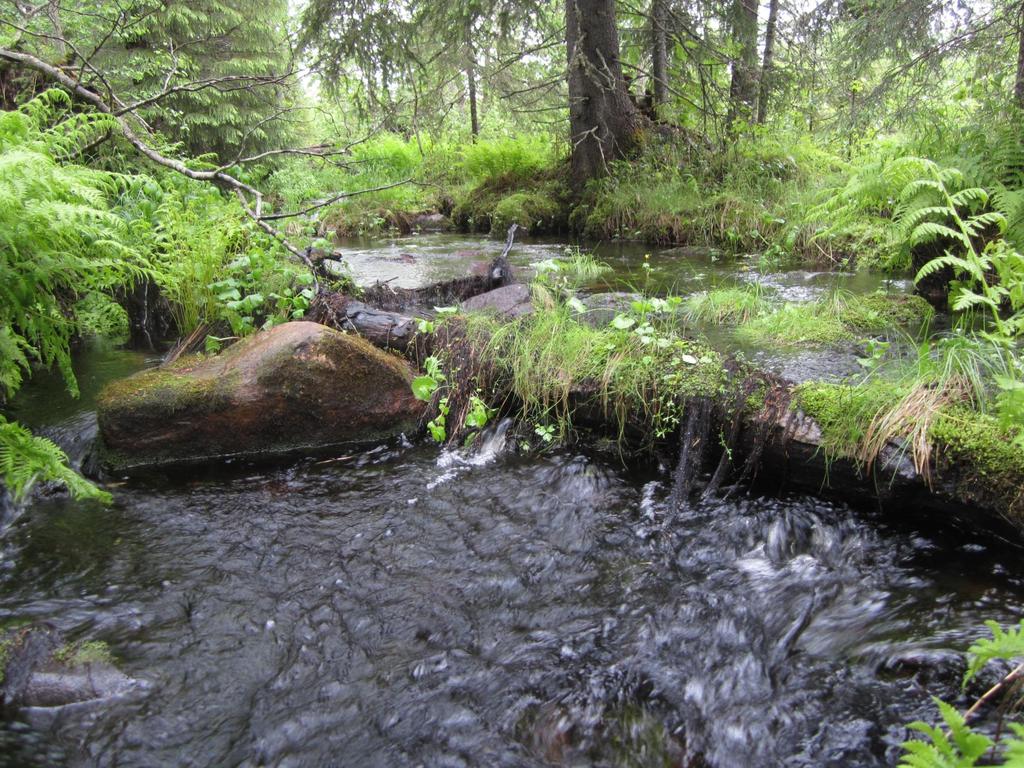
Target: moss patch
[(971, 448), (990, 468), (84, 653), (533, 211), (5, 655), (843, 411), (538, 205)]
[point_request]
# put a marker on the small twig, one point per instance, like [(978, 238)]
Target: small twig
[(1016, 674)]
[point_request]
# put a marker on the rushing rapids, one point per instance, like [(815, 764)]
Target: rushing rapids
[(410, 606), (399, 609)]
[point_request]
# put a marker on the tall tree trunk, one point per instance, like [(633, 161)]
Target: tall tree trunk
[(1018, 85), (474, 121), (767, 62), (743, 88), (603, 121), (659, 56)]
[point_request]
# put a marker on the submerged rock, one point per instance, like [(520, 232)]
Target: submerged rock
[(39, 669), (603, 307), (298, 387), (508, 302), (430, 222)]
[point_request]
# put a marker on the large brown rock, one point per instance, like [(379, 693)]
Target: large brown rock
[(300, 387)]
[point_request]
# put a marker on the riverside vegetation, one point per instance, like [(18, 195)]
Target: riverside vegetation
[(166, 188)]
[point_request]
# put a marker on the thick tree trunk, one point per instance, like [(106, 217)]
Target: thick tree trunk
[(743, 87), (659, 55), (474, 121), (603, 121), (767, 62), (1018, 85)]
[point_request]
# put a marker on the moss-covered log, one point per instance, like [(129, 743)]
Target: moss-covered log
[(553, 367)]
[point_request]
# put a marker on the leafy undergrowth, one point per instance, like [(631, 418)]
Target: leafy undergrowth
[(956, 744), (554, 365)]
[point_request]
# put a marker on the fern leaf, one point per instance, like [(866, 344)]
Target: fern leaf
[(918, 186), (970, 196), (968, 299), (930, 231), (1007, 644), (26, 459), (982, 220), (941, 262)]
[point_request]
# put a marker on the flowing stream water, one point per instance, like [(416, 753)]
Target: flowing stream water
[(408, 606)]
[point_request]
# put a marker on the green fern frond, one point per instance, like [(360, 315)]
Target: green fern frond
[(970, 196), (941, 262), (961, 749), (982, 221), (1007, 644), (921, 186), (931, 231), (26, 459), (968, 299), (913, 218)]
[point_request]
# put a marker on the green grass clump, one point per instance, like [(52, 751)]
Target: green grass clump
[(932, 404), (574, 269), (880, 311), (839, 317), (736, 304), (808, 323), (554, 364)]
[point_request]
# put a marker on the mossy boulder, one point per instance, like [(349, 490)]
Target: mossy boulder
[(539, 206), (40, 669), (534, 211), (300, 387)]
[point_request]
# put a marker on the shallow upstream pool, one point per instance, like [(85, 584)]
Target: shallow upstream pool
[(415, 607)]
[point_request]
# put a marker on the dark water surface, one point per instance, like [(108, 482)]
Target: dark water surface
[(400, 610), (411, 607)]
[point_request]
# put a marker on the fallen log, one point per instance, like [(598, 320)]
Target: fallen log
[(778, 446), (383, 329)]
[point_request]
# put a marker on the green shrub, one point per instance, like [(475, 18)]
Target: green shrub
[(62, 238), (520, 157)]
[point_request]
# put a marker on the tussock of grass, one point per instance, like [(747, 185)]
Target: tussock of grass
[(736, 304), (838, 317), (924, 403), (552, 364), (576, 268)]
